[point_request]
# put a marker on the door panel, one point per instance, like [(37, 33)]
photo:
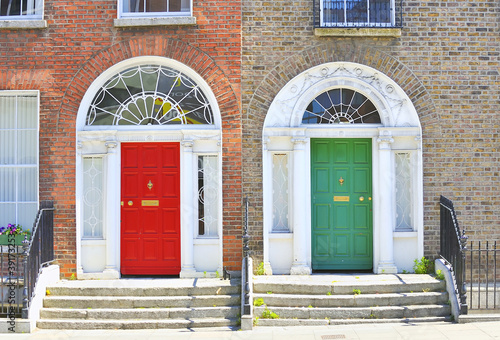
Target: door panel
[(150, 209), (341, 186)]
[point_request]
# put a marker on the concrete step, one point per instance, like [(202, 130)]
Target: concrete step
[(383, 312), (134, 324), (362, 300), (345, 288), (84, 302), (140, 313), (150, 288), (326, 322)]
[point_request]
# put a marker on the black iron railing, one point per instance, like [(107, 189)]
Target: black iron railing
[(39, 252), (358, 13), (453, 247), (20, 265), (483, 276)]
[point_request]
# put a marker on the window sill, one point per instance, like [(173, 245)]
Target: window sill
[(357, 32), (23, 24), (405, 234), (165, 21)]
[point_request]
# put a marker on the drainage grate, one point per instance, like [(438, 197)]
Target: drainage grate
[(334, 336)]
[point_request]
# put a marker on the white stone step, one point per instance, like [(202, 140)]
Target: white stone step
[(140, 301), (326, 322), (361, 300), (140, 313), (134, 324), (379, 312)]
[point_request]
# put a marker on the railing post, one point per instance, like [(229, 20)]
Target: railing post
[(463, 287)]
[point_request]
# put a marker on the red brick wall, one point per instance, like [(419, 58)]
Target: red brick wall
[(80, 42)]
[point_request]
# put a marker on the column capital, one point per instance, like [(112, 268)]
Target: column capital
[(111, 145), (187, 143), (299, 140)]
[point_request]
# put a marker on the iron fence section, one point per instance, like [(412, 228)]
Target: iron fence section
[(483, 276), (358, 13), (20, 265), (452, 248)]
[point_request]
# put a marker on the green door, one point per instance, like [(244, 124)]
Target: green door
[(341, 194)]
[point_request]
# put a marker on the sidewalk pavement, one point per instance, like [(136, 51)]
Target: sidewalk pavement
[(389, 331)]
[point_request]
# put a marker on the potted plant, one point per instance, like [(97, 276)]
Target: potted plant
[(13, 231)]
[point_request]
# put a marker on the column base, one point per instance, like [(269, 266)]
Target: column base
[(387, 268), (268, 270), (189, 272), (300, 269)]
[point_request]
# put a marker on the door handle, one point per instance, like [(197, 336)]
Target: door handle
[(130, 202), (361, 199)]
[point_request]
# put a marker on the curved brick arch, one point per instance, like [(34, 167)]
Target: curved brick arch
[(159, 46), (306, 59)]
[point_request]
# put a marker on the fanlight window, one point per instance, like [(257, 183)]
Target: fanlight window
[(341, 106), (150, 95)]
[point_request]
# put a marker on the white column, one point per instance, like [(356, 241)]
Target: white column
[(299, 264), (386, 192), (112, 225), (79, 207), (188, 210), (267, 167)]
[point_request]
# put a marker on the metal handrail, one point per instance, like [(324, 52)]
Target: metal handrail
[(453, 245)]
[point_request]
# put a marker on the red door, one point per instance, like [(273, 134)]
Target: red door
[(150, 209)]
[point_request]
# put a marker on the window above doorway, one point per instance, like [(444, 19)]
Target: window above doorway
[(341, 106), (150, 95)]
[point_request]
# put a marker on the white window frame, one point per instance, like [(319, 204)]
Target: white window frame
[(8, 93), (123, 14), (35, 14)]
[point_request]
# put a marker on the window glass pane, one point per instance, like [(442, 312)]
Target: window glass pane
[(8, 214), (403, 192), (27, 117), (7, 146), (27, 147), (93, 199), (26, 214), (8, 110), (280, 192), (27, 185), (208, 195), (8, 183), (341, 106)]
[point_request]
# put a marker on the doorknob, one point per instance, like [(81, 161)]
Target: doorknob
[(361, 199), (130, 202)]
